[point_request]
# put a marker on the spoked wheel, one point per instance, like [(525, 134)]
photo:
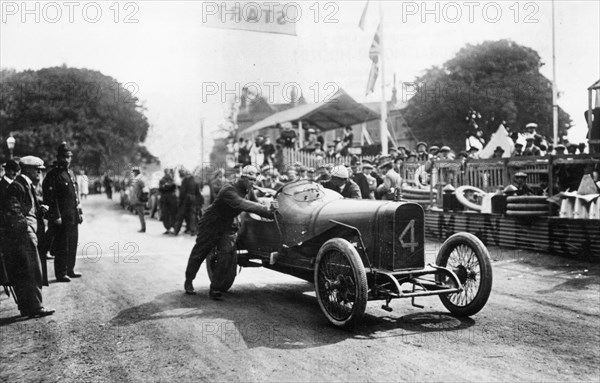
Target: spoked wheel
[(341, 283), (222, 269), (469, 259)]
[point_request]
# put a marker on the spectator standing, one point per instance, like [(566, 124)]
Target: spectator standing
[(168, 200), (422, 154), (288, 136), (83, 185), (23, 218), (268, 150), (107, 182), (190, 199), (65, 215), (476, 140), (139, 196), (347, 141)]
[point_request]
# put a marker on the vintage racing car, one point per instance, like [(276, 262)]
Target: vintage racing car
[(357, 250)]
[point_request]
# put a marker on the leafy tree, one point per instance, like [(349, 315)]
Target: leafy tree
[(499, 79), (99, 118)]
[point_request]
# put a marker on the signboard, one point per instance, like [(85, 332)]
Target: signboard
[(266, 17)]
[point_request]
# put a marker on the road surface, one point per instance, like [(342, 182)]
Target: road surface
[(127, 319)]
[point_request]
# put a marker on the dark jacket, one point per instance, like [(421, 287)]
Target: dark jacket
[(349, 190), (61, 195), (229, 203), (361, 180), (190, 190), (16, 205)]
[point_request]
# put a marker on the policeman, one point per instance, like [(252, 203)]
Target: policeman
[(22, 220), (217, 228), (61, 194)]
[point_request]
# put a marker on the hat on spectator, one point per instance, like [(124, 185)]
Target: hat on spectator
[(521, 174), (250, 172), (393, 148), (63, 150), (340, 171), (560, 147), (463, 154), (518, 144), (529, 138), (311, 170), (571, 144), (471, 149), (32, 161), (385, 163), (12, 165), (135, 169), (367, 165), (266, 168), (434, 147), (422, 143), (499, 149), (311, 130), (447, 148), (286, 125), (412, 154), (531, 125)]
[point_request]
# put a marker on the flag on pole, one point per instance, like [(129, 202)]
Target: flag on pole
[(361, 23), (374, 52)]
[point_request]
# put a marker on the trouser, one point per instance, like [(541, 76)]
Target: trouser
[(109, 192), (168, 210), (205, 243), (25, 271), (186, 212), (64, 248), (140, 211)]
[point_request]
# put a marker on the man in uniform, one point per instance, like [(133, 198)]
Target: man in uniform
[(341, 183), (11, 169), (217, 228), (61, 195), (22, 220)]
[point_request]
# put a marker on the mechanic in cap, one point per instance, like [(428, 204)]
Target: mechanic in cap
[(23, 218), (217, 229), (341, 183), (391, 180)]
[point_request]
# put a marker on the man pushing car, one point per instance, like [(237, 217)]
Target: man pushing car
[(217, 227)]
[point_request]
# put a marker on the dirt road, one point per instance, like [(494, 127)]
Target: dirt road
[(127, 319)]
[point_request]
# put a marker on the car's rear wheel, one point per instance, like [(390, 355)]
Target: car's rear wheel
[(222, 269), (341, 282), (468, 258)]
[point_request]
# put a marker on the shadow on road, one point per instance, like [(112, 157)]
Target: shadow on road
[(279, 316)]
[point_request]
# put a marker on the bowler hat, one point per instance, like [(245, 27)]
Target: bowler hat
[(499, 149), (521, 174)]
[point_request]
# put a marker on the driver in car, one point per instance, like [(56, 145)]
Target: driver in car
[(341, 183), (217, 229)]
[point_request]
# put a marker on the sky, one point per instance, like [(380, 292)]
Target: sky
[(183, 70)]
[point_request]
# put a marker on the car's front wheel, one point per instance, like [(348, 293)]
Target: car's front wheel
[(341, 282), (468, 258)]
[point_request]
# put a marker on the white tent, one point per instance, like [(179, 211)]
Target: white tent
[(500, 138)]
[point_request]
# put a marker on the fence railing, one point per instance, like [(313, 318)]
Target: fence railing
[(488, 175)]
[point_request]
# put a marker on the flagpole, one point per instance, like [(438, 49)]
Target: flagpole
[(554, 87), (383, 108)]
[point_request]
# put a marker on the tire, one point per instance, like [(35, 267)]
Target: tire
[(462, 199), (527, 206), (526, 213), (340, 283), (474, 272), (222, 270), (527, 199)]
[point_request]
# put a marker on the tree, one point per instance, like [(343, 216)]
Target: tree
[(499, 79), (99, 118)]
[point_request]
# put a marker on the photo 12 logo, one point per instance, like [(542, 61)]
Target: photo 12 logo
[(470, 11), (71, 11)]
